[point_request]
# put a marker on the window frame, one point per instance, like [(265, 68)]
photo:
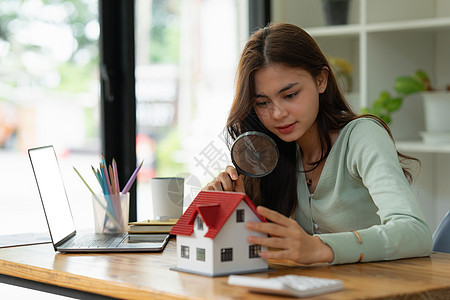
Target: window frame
[(200, 223), (226, 254), (240, 215), (254, 250), (201, 254), (117, 91), (184, 251)]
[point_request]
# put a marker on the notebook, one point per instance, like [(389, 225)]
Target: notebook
[(59, 218)]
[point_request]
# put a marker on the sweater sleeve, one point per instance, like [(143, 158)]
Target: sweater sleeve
[(372, 159)]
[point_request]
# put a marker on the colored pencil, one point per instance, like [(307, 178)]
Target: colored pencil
[(106, 177), (113, 219), (131, 180), (116, 175), (113, 181)]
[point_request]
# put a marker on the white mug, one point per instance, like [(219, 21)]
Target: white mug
[(167, 197)]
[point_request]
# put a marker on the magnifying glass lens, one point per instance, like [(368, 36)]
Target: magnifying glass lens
[(254, 154)]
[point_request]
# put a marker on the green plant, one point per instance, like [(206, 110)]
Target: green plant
[(343, 71), (167, 147), (387, 103)]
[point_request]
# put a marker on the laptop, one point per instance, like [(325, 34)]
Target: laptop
[(59, 218)]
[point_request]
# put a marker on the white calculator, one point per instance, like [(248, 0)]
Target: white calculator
[(288, 285)]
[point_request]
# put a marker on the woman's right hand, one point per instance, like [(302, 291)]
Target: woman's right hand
[(229, 180)]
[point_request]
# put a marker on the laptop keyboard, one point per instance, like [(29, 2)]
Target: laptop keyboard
[(94, 240)]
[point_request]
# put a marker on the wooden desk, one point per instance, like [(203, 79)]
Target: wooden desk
[(140, 276)]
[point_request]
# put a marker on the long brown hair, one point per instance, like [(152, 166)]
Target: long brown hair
[(291, 46)]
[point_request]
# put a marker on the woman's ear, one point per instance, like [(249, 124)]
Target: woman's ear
[(322, 80)]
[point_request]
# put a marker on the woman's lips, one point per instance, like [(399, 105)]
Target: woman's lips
[(287, 128)]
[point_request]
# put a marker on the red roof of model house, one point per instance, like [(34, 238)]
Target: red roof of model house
[(215, 208)]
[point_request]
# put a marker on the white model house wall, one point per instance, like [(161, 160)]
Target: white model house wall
[(236, 235), (232, 235), (194, 241)]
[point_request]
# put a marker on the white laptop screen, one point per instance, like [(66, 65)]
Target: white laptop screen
[(52, 192)]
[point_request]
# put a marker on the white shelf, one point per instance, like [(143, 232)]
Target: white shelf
[(356, 29), (421, 147), (338, 30), (412, 25)]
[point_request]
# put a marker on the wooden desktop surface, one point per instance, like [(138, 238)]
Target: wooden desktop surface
[(146, 275)]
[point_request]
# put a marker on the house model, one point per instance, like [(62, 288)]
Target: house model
[(212, 238)]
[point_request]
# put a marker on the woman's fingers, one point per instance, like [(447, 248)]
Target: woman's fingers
[(239, 184), (232, 172), (272, 242), (226, 181), (213, 186), (268, 228), (274, 216), (285, 234), (222, 182), (229, 180)]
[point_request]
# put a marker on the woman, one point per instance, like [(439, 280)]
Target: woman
[(339, 193)]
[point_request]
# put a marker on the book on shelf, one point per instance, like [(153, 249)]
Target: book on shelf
[(152, 226)]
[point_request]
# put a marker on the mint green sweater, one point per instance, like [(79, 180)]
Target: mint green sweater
[(362, 188)]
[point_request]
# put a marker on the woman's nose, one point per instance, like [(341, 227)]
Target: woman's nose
[(278, 111)]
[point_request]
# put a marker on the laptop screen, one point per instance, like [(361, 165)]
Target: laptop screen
[(52, 192)]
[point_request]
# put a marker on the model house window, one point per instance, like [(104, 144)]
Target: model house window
[(201, 254), (226, 254), (240, 215), (199, 223), (185, 251), (253, 251)]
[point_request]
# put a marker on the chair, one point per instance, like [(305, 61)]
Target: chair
[(441, 237)]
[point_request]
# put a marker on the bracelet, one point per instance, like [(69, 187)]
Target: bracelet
[(360, 241), (360, 258), (358, 236)]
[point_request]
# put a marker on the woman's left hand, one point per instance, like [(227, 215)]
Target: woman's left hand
[(285, 234)]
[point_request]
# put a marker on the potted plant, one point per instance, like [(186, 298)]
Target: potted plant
[(436, 103), (335, 11)]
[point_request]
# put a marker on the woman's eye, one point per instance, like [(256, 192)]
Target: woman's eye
[(261, 103), (290, 96)]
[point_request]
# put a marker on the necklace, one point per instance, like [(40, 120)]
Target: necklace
[(308, 180)]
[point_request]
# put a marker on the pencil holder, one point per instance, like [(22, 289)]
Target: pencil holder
[(111, 213)]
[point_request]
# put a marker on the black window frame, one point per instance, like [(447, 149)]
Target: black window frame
[(118, 96), (259, 14), (226, 254), (240, 215), (254, 250), (200, 223), (201, 254), (184, 253)]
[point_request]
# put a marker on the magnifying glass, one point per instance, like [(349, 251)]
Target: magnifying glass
[(254, 154)]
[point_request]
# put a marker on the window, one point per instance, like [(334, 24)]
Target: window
[(49, 95), (185, 251), (199, 223), (185, 75), (253, 251), (240, 215), (226, 254), (201, 254), (49, 54)]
